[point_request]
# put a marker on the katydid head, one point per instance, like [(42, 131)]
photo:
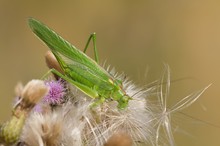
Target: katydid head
[(123, 101), (120, 95)]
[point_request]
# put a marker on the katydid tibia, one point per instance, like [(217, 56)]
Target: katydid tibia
[(79, 69)]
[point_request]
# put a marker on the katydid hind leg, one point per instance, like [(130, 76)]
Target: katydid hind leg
[(88, 91), (93, 38)]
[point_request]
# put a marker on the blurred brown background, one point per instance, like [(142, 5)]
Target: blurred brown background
[(133, 36)]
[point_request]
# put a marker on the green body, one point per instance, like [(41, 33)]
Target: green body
[(81, 70)]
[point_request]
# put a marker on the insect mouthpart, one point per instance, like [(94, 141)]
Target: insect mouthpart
[(123, 102)]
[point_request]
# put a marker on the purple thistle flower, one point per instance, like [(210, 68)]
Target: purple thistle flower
[(38, 108), (56, 92)]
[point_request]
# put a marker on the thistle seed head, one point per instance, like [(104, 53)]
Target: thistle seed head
[(51, 62), (119, 139), (33, 92)]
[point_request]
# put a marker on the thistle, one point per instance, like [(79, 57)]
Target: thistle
[(10, 131), (28, 97), (94, 106), (56, 93)]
